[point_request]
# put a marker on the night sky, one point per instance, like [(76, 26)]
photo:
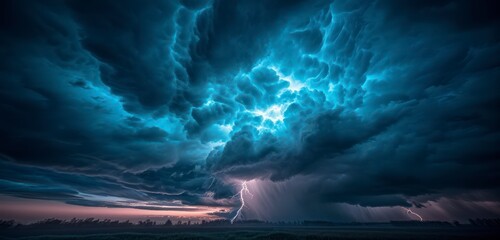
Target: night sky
[(327, 110)]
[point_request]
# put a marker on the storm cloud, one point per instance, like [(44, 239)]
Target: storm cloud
[(164, 104)]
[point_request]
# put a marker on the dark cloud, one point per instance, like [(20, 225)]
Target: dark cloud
[(376, 104)]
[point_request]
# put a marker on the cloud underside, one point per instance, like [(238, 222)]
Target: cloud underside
[(166, 104)]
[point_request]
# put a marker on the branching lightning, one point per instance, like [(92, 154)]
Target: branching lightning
[(409, 211), (244, 189)]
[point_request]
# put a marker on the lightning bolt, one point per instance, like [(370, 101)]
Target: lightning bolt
[(244, 189), (409, 211), (212, 183)]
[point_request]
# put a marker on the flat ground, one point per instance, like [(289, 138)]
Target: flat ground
[(254, 232)]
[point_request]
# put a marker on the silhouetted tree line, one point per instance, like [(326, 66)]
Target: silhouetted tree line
[(97, 223), (91, 222), (484, 222), (7, 224)]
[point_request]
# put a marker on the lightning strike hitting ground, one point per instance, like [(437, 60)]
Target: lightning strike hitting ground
[(409, 211), (244, 189)]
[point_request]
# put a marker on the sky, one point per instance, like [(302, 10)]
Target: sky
[(324, 110)]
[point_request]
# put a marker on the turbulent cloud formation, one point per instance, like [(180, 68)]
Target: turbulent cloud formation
[(168, 104)]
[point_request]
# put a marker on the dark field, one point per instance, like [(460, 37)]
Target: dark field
[(257, 232)]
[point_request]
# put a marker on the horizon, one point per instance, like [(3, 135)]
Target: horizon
[(38, 210), (172, 221)]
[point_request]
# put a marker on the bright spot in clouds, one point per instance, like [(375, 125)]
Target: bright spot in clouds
[(274, 113), (295, 85)]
